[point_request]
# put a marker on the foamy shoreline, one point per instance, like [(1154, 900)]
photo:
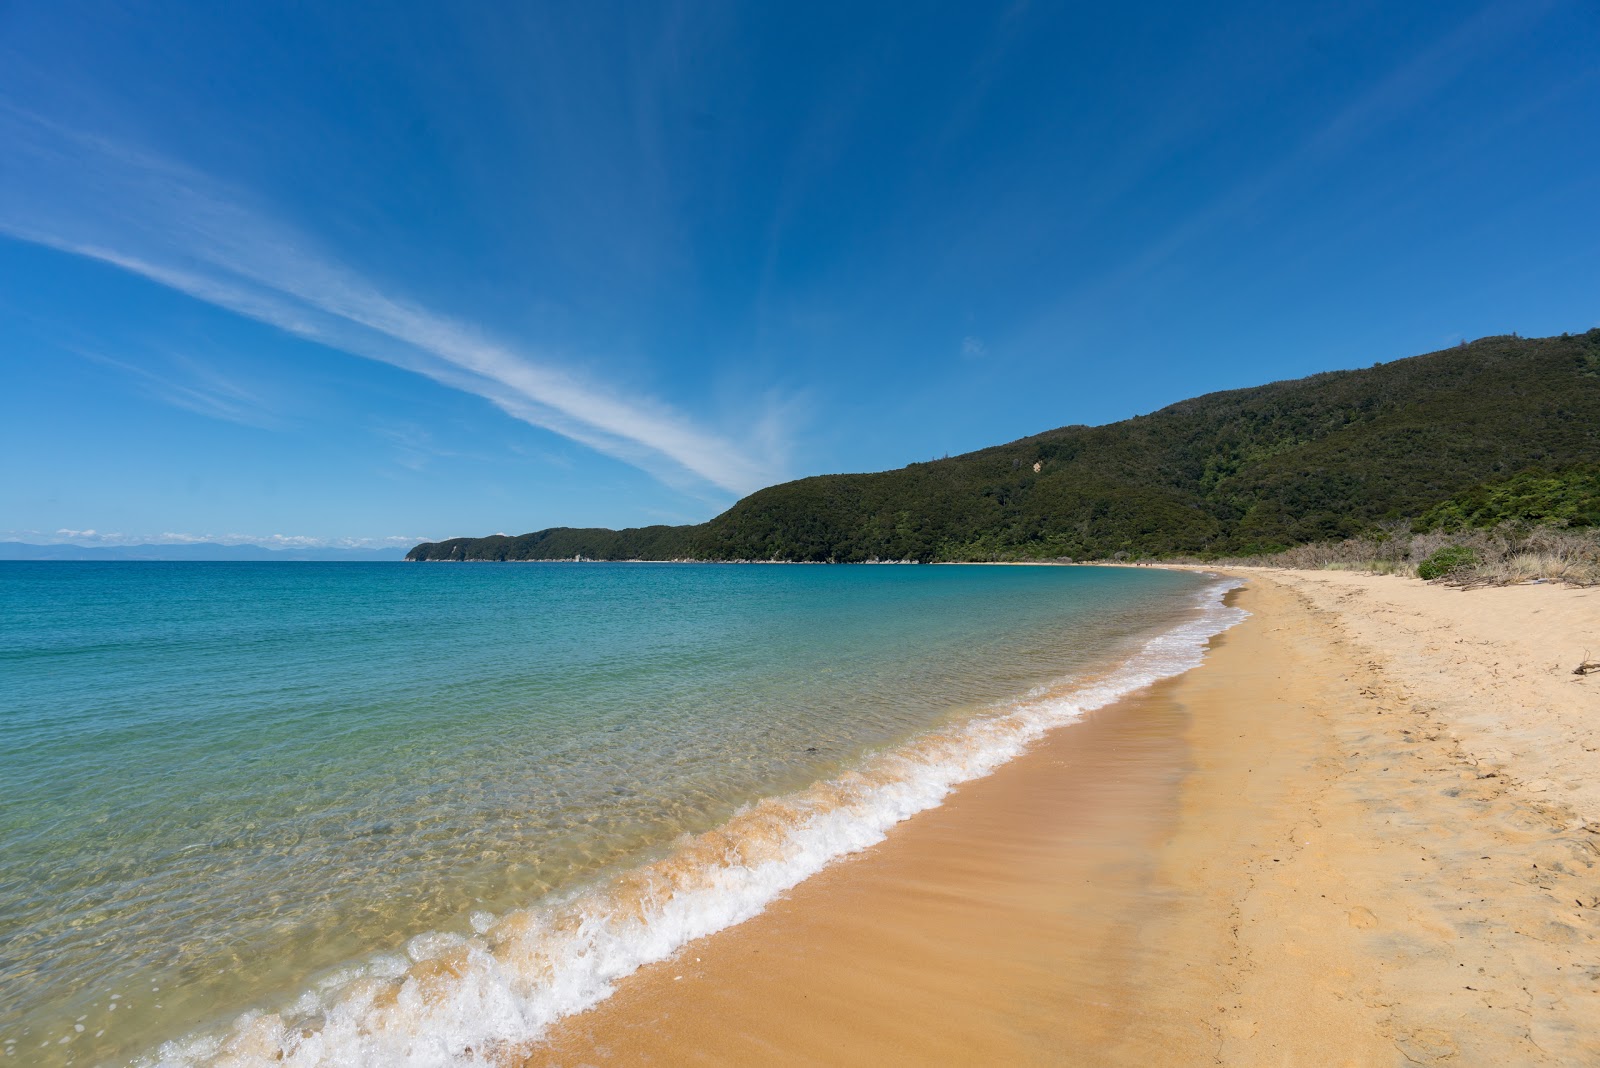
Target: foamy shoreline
[(1337, 880), (1382, 851), (456, 999)]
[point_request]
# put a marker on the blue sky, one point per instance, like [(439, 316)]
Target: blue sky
[(349, 273)]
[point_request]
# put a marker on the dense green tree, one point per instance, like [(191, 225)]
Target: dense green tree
[(1566, 498)]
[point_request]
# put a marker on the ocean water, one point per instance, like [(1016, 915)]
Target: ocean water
[(410, 814)]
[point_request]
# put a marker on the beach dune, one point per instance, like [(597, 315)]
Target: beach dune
[(1363, 832)]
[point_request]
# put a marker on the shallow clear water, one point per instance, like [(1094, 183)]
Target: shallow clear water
[(224, 780)]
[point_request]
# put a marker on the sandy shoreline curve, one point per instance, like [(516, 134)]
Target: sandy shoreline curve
[(1362, 832)]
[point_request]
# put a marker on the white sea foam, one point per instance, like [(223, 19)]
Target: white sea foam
[(469, 999)]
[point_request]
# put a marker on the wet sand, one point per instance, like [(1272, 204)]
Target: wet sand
[(1282, 857)]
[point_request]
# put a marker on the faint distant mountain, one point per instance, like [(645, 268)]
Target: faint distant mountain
[(21, 550)]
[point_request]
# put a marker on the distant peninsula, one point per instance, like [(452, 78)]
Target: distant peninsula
[(1244, 471)]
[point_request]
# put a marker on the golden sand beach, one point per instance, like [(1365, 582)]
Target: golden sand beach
[(1365, 831)]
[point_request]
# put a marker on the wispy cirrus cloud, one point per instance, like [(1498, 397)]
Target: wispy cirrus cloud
[(197, 388), (90, 196), (106, 538), (1389, 99)]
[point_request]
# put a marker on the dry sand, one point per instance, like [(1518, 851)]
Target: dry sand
[(1493, 666), (1363, 832)]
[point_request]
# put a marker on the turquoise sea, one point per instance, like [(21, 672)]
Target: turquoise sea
[(410, 814)]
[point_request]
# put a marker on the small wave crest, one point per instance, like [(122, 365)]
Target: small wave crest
[(456, 999)]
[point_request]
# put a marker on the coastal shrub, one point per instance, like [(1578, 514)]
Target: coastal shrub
[(1446, 560), (1507, 553)]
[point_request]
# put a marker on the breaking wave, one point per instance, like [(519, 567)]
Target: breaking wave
[(459, 999)]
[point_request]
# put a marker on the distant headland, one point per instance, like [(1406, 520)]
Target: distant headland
[(1428, 439)]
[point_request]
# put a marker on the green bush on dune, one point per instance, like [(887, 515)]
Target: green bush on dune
[(1447, 560)]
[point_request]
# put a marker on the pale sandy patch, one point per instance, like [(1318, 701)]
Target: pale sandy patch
[(1495, 668)]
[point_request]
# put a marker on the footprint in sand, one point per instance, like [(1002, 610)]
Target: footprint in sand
[(1426, 1046), (1361, 916)]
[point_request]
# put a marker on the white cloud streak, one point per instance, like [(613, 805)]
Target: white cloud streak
[(92, 538), (205, 393), (1381, 105), (90, 197)]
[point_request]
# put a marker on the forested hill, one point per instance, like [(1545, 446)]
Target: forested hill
[(1250, 469)]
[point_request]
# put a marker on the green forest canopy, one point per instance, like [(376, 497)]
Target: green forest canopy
[(1565, 498), (1426, 438)]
